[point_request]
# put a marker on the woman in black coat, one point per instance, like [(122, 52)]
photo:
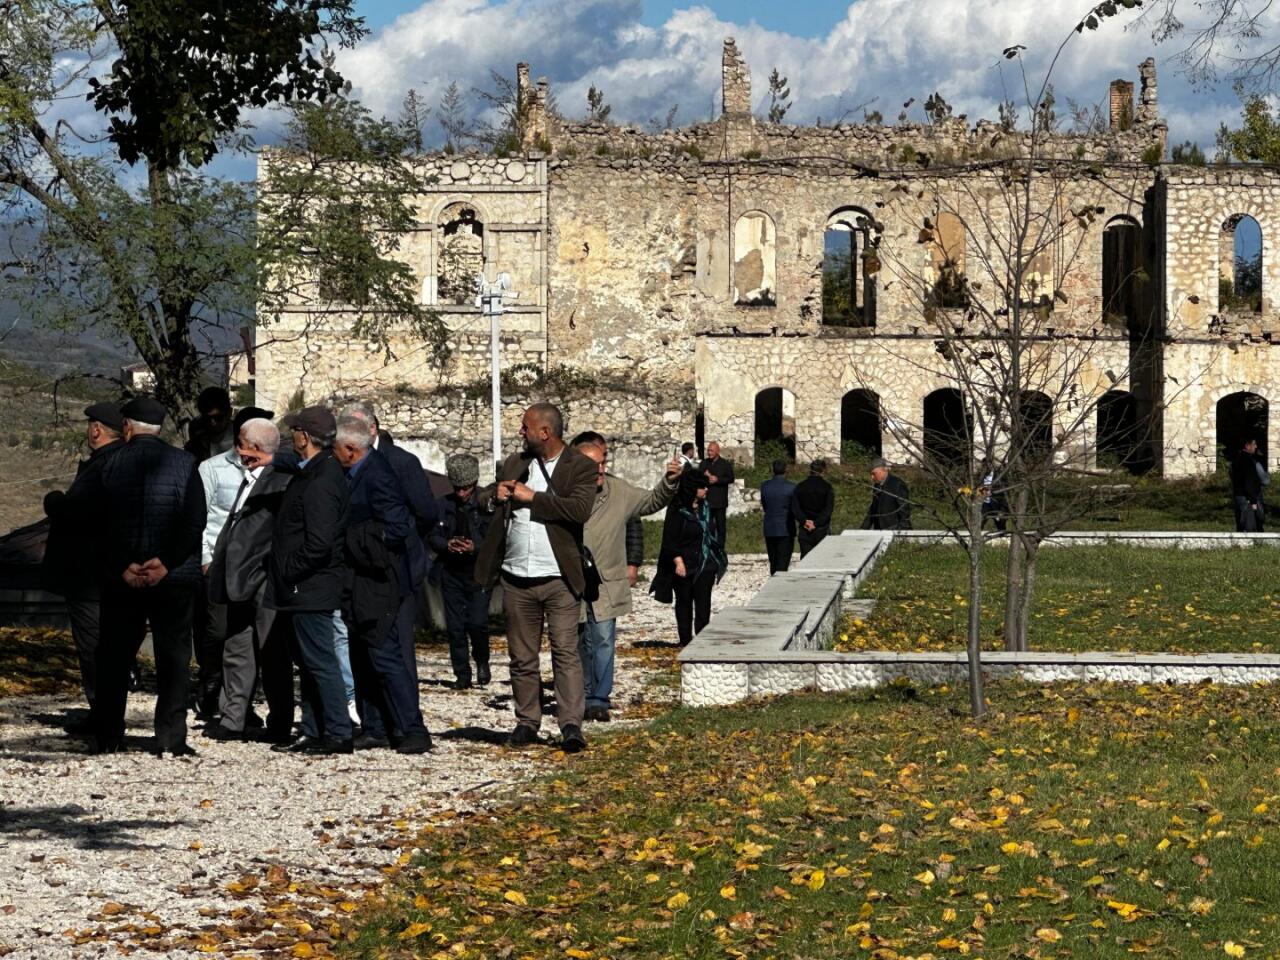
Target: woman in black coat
[(692, 559)]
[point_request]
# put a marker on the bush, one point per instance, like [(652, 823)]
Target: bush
[(768, 451)]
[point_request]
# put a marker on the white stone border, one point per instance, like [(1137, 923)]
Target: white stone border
[(779, 642)]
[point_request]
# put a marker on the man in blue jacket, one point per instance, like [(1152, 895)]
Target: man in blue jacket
[(152, 508), (779, 523), (382, 550)]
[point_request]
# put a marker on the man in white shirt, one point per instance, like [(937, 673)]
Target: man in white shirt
[(545, 495)]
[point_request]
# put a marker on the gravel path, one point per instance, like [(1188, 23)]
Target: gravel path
[(240, 851)]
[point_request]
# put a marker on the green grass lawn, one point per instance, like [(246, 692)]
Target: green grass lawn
[(1075, 821), (1149, 504), (1087, 598)]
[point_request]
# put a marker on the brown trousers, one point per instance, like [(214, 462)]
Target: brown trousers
[(526, 607)]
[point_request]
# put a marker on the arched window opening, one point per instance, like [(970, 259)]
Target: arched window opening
[(1122, 273), (340, 277), (755, 271), (947, 252), (948, 429), (1240, 417), (459, 253), (1035, 431), (850, 263), (1240, 266), (775, 429), (860, 436)]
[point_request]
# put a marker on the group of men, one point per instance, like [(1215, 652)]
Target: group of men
[(313, 553)]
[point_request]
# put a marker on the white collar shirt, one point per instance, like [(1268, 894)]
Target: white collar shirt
[(220, 475), (250, 478), (529, 552)]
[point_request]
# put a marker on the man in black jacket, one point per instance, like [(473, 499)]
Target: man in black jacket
[(70, 563), (255, 637), (719, 474), (151, 502), (381, 547), (812, 505), (1246, 487), (890, 507), (306, 578)]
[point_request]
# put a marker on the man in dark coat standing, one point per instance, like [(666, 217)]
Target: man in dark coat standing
[(890, 507), (779, 523), (545, 494), (1247, 475), (719, 474), (256, 637), (812, 505), (70, 562), (381, 547), (152, 507), (306, 578)]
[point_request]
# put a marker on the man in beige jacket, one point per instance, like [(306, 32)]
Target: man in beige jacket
[(605, 536)]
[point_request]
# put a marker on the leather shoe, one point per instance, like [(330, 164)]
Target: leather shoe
[(325, 746), (482, 675), (100, 745), (82, 727), (460, 684), (572, 740), (596, 714), (414, 743), (181, 750), (367, 741), (216, 731), (252, 721), (274, 737), (522, 736), (298, 745)]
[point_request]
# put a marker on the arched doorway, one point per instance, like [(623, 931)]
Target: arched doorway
[(948, 430), (1118, 443), (1240, 417), (1036, 428), (860, 437), (775, 425)]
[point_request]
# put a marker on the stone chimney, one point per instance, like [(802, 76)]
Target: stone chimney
[(1121, 105), (531, 110), (737, 81), (1148, 108)]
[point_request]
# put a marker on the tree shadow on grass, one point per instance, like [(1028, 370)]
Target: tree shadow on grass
[(68, 822)]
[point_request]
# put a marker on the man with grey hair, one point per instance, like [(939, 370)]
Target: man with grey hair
[(253, 639), (890, 507)]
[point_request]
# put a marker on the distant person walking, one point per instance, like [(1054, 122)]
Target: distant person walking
[(719, 474), (812, 505), (890, 507), (1248, 477), (779, 521)]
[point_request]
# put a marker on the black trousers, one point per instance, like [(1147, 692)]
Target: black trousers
[(386, 692), (719, 530), (84, 611), (779, 549), (466, 617), (811, 538), (125, 613), (693, 603), (209, 633)]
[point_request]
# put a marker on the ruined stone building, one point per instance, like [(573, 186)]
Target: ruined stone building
[(672, 285)]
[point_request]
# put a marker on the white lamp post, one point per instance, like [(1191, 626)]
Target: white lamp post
[(489, 298)]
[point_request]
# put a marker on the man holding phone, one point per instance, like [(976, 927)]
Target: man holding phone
[(460, 527)]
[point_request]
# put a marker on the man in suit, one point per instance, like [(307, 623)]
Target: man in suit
[(779, 524), (255, 637), (719, 474), (890, 507), (69, 566), (306, 575), (150, 498), (812, 505), (382, 546), (545, 494)]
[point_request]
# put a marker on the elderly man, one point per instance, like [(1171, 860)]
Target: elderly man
[(616, 503), (306, 576), (255, 637), (152, 505), (812, 505), (890, 507), (381, 543), (719, 474), (545, 493), (221, 475), (69, 566)]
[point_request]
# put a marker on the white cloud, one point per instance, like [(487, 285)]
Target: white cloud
[(884, 51)]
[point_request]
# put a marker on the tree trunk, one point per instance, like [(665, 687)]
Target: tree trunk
[(1031, 550), (977, 699), (1012, 592)]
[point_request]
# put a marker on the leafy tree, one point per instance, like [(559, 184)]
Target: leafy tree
[(597, 110), (936, 109), (1257, 139), (452, 117), (1008, 114), (162, 258), (1188, 153), (779, 96), (414, 112)]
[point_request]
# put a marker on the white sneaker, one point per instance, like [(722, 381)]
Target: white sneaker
[(353, 713)]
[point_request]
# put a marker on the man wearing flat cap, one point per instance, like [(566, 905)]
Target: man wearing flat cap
[(70, 566), (461, 525), (306, 576), (890, 507), (151, 506)]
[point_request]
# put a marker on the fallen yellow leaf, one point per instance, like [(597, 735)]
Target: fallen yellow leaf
[(516, 897), (413, 930), (677, 900), (1232, 949), (729, 891), (817, 880)]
